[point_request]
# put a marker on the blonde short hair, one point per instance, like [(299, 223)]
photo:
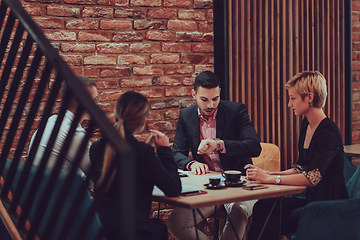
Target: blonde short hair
[(310, 82)]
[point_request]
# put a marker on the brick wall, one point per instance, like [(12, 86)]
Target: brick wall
[(155, 47), (356, 71)]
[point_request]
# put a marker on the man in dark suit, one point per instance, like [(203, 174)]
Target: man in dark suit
[(221, 137)]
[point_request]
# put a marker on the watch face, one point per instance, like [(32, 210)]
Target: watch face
[(278, 179)]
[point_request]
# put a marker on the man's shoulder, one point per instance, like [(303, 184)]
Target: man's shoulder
[(188, 110), (231, 105)]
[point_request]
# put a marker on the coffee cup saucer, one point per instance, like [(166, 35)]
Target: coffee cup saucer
[(209, 186), (239, 183)]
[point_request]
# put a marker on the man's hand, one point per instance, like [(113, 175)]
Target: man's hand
[(199, 168), (207, 146)]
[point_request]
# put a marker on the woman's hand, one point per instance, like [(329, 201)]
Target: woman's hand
[(257, 174), (158, 138)]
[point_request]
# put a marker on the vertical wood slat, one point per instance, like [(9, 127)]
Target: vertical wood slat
[(269, 42)]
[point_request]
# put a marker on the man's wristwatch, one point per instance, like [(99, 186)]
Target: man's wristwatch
[(217, 144), (278, 180)]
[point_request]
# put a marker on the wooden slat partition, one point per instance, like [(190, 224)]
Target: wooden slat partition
[(269, 42)]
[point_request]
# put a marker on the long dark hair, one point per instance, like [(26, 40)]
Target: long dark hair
[(130, 113)]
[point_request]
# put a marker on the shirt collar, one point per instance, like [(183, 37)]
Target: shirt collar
[(213, 117)]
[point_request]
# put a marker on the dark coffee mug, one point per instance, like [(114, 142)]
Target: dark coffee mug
[(231, 175), (214, 181)]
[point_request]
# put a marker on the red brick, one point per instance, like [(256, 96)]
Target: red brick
[(172, 114), (110, 95), (80, 1), (203, 3), (199, 15), (162, 126), (128, 13), (112, 48), (128, 37), (94, 36), (144, 47), (209, 37), (63, 11), (159, 58), (34, 10), (182, 25), (118, 3), (355, 86), (154, 115), (134, 82), (194, 58), (176, 47), (356, 27), (148, 24), (178, 3), (133, 59), (45, 1), (99, 60), (60, 35), (189, 81), (78, 47), (107, 84), (178, 69), (201, 68), (115, 72), (355, 136), (161, 13), (210, 15), (157, 35), (47, 22), (163, 103), (107, 107), (150, 92), (356, 107), (82, 24), (356, 66), (167, 80), (94, 12), (116, 24), (186, 102), (202, 47), (189, 37), (147, 70), (206, 26), (145, 3), (84, 71), (355, 6), (76, 60)]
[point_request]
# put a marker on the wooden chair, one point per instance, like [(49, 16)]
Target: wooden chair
[(269, 160)]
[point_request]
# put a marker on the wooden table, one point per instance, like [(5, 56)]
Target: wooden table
[(352, 150), (215, 197)]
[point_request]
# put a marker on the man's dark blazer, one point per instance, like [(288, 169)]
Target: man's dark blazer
[(233, 126)]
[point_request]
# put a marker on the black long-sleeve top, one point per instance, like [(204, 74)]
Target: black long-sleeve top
[(150, 170)]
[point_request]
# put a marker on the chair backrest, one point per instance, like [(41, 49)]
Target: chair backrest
[(269, 158), (31, 75), (353, 185)]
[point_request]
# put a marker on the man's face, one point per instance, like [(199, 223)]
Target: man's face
[(207, 100)]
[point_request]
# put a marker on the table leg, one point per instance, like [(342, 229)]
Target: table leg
[(267, 219), (196, 230)]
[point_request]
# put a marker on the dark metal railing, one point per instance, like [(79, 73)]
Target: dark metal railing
[(31, 76)]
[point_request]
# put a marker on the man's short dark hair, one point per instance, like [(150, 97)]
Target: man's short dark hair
[(86, 82), (206, 79)]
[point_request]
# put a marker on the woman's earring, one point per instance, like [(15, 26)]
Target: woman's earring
[(309, 104)]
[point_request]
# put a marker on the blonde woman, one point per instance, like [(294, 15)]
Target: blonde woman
[(320, 163), (151, 169)]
